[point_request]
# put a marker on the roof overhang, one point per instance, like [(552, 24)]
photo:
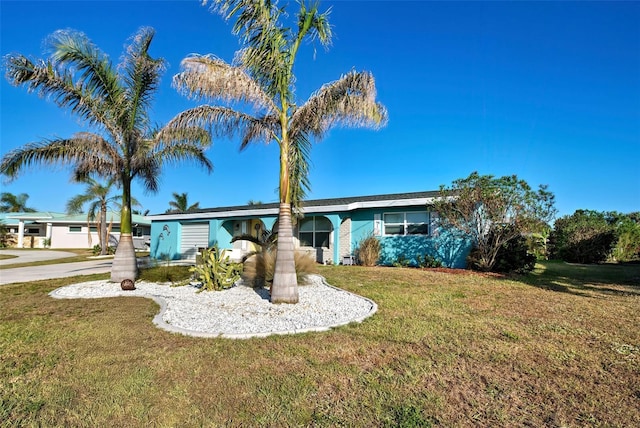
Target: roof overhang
[(273, 211)]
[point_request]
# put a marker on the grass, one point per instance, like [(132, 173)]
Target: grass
[(559, 347)]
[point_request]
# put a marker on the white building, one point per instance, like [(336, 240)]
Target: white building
[(57, 230)]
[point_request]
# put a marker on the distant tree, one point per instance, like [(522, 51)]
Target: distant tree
[(115, 103), (257, 93), (252, 202), (4, 234), (140, 212), (627, 245), (492, 212), (10, 203), (180, 204), (586, 236), (100, 199)]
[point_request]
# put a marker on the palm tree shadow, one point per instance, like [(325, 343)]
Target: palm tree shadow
[(586, 280), (263, 293)]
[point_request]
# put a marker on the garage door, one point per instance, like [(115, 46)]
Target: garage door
[(194, 236)]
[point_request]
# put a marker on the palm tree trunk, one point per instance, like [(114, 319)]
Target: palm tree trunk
[(125, 265), (104, 242), (284, 288)]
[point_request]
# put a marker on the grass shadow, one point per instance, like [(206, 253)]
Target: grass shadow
[(586, 280)]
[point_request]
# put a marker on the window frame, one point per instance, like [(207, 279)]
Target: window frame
[(405, 225), (314, 231)]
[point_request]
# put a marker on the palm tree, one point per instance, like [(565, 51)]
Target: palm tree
[(180, 204), (262, 77), (10, 203), (115, 102), (99, 198)]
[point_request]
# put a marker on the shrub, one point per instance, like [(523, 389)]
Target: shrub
[(583, 237), (401, 261), (96, 250), (513, 256), (368, 251), (216, 272), (259, 268), (177, 275), (627, 246), (428, 261)]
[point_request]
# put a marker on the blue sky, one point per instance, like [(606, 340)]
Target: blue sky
[(549, 91)]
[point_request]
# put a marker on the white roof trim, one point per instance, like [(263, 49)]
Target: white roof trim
[(316, 209)]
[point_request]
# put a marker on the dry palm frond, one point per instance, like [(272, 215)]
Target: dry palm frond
[(225, 121), (212, 78), (349, 101)]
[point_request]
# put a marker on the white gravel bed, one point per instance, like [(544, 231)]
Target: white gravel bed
[(239, 312)]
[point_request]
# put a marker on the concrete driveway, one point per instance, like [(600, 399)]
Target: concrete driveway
[(36, 273), (28, 256)]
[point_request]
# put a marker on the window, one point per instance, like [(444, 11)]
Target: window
[(75, 228), (314, 232), (32, 231), (411, 223)]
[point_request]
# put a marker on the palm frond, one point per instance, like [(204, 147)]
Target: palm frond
[(225, 122), (349, 101), (299, 163), (56, 152), (57, 84), (141, 75), (74, 51), (319, 27), (205, 76)]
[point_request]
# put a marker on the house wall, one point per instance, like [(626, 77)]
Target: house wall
[(62, 237), (349, 229), (166, 235), (447, 246)]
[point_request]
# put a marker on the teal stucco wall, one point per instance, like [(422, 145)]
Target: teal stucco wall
[(449, 247), (445, 245)]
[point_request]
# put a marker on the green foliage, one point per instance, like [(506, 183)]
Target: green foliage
[(5, 238), (259, 268), (428, 261), (586, 236), (408, 416), (401, 261), (492, 211), (96, 250), (368, 251), (216, 271), (177, 275), (10, 203), (512, 256), (180, 204), (627, 246)]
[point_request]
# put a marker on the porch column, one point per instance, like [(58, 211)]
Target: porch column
[(335, 225), (49, 232), (20, 233)]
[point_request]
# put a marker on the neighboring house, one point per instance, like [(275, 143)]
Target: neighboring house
[(57, 230), (331, 229)]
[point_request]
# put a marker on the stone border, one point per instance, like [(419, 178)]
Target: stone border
[(160, 322)]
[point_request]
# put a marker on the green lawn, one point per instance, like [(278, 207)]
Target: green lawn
[(560, 347)]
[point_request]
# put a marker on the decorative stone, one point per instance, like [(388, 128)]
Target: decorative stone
[(128, 284)]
